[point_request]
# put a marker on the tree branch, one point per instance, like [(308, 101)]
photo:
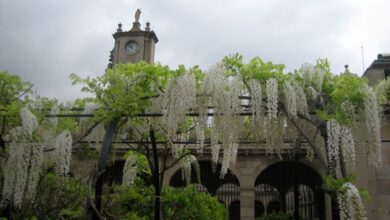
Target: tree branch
[(178, 160), (24, 93), (308, 119), (164, 164), (309, 141), (91, 184), (87, 133)]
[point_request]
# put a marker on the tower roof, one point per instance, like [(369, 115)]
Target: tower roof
[(136, 29), (150, 34)]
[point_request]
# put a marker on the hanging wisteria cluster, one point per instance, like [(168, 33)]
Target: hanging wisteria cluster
[(373, 124), (340, 142), (23, 165), (63, 152), (26, 159), (347, 146), (350, 203), (186, 163), (178, 98), (226, 123), (290, 99), (334, 135)]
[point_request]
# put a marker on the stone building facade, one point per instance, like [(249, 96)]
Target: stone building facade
[(258, 184), (378, 181)]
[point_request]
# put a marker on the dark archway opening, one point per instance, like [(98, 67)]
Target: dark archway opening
[(259, 209), (274, 207), (113, 173), (234, 210)]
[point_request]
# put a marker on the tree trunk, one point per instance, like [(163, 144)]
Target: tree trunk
[(156, 178), (2, 142), (102, 163)]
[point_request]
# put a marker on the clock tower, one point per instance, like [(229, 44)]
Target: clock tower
[(134, 45)]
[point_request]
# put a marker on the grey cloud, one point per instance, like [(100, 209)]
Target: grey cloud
[(44, 41), (278, 32)]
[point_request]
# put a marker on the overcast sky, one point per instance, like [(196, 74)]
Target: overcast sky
[(46, 40)]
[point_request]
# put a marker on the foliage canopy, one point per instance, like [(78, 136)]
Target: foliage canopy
[(332, 118)]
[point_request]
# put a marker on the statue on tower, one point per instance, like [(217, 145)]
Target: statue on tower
[(137, 15)]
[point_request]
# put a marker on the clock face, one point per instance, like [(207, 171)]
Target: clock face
[(132, 48)]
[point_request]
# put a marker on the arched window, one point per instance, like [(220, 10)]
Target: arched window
[(199, 187), (265, 194), (227, 190), (228, 193)]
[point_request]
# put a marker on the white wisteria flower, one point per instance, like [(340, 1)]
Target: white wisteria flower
[(290, 97), (23, 165), (350, 203), (272, 98), (63, 152), (129, 170), (334, 131), (373, 126)]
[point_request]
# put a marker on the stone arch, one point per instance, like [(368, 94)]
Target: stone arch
[(269, 162), (262, 167), (314, 165), (286, 174), (211, 180)]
